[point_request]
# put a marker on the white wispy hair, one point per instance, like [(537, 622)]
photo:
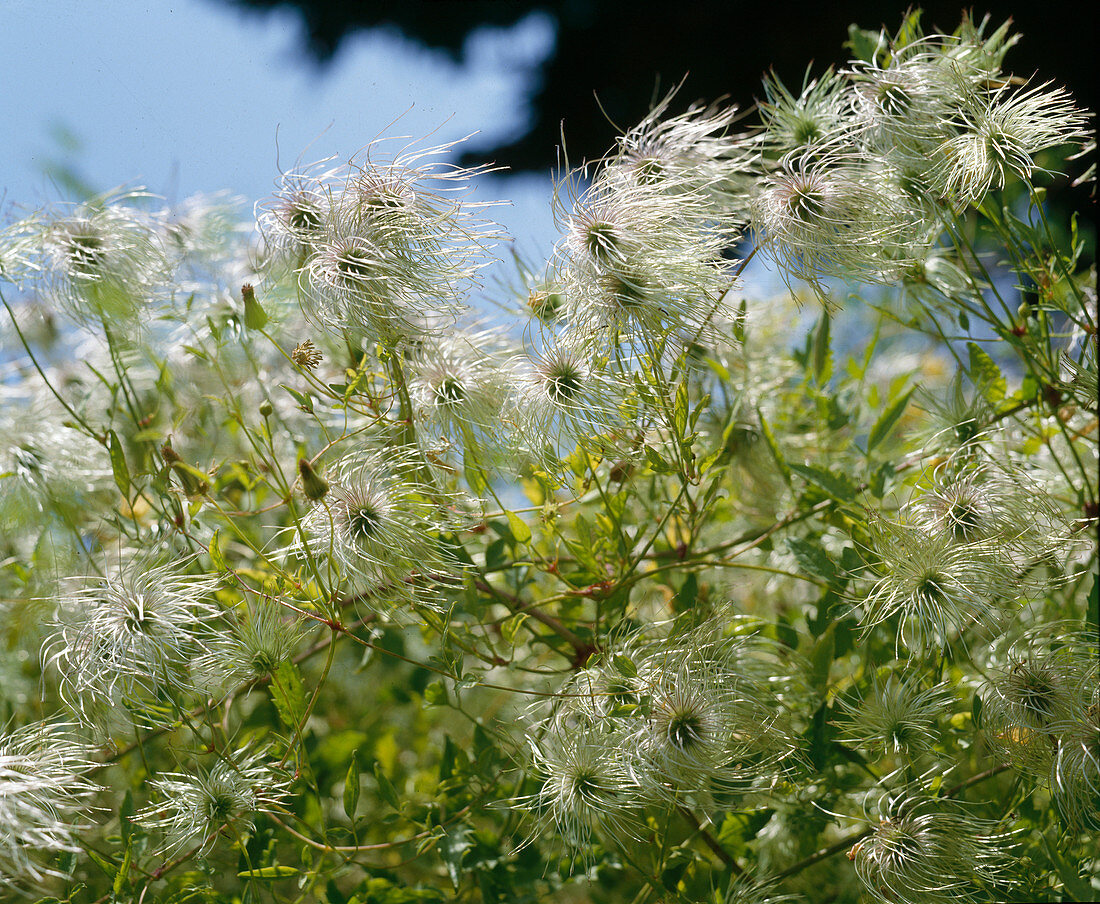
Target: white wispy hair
[(45, 798), (996, 134), (195, 807), (384, 251), (380, 525), (125, 641), (927, 851)]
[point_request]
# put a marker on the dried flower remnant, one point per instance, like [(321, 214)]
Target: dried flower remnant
[(306, 355)]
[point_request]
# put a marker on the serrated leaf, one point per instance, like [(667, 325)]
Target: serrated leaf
[(288, 694), (278, 871), (351, 788), (813, 560), (887, 420), (519, 527), (839, 486), (386, 789)]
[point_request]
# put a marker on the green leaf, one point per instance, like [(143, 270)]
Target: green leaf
[(813, 560), (452, 849), (519, 527), (863, 43), (841, 487), (509, 629), (475, 477), (288, 694), (351, 787), (625, 666), (118, 464), (821, 657), (986, 374), (687, 594), (278, 871), (385, 787), (122, 877), (887, 420), (104, 864), (1092, 616), (304, 399), (680, 410), (877, 483), (773, 447), (216, 557), (126, 817), (823, 363)]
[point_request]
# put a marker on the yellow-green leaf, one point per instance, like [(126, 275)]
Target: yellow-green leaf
[(269, 872), (351, 788), (519, 527)]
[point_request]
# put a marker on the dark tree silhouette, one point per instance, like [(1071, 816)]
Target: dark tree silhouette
[(627, 53)]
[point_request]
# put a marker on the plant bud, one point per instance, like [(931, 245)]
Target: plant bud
[(193, 481), (265, 409), (254, 316), (313, 485)]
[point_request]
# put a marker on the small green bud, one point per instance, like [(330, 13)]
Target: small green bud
[(254, 316), (313, 485), (265, 409)]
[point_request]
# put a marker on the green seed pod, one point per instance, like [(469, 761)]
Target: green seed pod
[(254, 316), (313, 485)]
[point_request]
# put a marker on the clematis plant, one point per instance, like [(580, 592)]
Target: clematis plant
[(755, 526)]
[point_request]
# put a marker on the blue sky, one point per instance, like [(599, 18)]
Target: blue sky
[(193, 96)]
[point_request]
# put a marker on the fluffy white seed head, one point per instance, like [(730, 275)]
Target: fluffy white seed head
[(896, 716), (926, 851), (194, 808), (380, 528), (936, 587), (997, 134), (45, 799), (126, 641)]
